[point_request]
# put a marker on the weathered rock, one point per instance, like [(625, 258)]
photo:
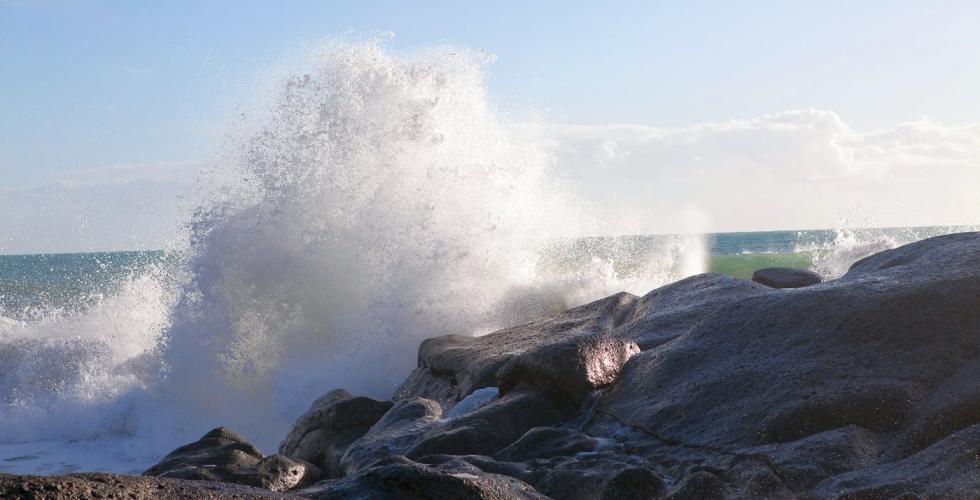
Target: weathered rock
[(949, 468), (548, 442), (102, 485), (400, 428), (333, 422), (701, 485), (570, 370), (398, 478), (490, 428), (223, 456), (785, 277), (453, 366), (594, 477), (866, 349)]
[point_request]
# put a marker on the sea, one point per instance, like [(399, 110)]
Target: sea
[(371, 200)]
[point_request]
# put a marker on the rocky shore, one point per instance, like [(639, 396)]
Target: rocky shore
[(865, 386)]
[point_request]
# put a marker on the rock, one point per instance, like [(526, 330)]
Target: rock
[(701, 485), (865, 350), (453, 366), (333, 422), (948, 468), (673, 310), (594, 478), (633, 484), (220, 455), (548, 442), (103, 485), (785, 277), (398, 478), (223, 456), (570, 370), (400, 428), (491, 428)]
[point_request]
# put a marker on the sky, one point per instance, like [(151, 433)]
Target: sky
[(748, 115)]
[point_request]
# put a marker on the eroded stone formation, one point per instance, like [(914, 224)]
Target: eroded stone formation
[(866, 386)]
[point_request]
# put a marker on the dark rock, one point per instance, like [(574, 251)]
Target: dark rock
[(949, 468), (333, 422), (400, 428), (490, 428), (569, 370), (548, 442), (673, 310), (633, 483), (398, 478), (590, 478), (103, 485), (223, 456), (785, 277), (866, 350), (701, 485), (453, 366)]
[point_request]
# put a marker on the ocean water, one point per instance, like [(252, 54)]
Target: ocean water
[(370, 201)]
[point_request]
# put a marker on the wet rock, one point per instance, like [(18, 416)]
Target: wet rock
[(701, 485), (333, 422), (865, 350), (633, 484), (490, 428), (948, 468), (548, 442), (593, 478), (223, 456), (453, 366), (398, 478), (400, 428), (570, 370), (785, 277)]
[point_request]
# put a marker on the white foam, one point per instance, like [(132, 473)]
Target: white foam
[(375, 201)]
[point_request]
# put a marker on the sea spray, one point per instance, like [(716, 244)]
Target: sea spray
[(376, 200)]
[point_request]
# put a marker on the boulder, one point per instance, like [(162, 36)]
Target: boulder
[(785, 277), (223, 456), (400, 428), (453, 366), (490, 428), (867, 349), (570, 370), (333, 422), (398, 478)]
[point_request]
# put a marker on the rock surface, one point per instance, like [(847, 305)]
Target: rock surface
[(221, 455), (101, 485), (333, 422), (866, 386), (785, 277)]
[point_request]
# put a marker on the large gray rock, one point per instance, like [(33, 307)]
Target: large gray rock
[(223, 456), (867, 350), (400, 428), (490, 428), (785, 277), (453, 366), (333, 422), (866, 386), (570, 370)]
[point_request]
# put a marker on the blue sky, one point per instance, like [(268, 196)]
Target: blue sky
[(87, 84)]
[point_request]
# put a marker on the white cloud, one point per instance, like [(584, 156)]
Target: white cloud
[(794, 169)]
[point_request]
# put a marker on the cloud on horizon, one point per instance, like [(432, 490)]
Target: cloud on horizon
[(790, 170), (795, 169)]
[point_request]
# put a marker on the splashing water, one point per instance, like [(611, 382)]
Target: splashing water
[(379, 200)]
